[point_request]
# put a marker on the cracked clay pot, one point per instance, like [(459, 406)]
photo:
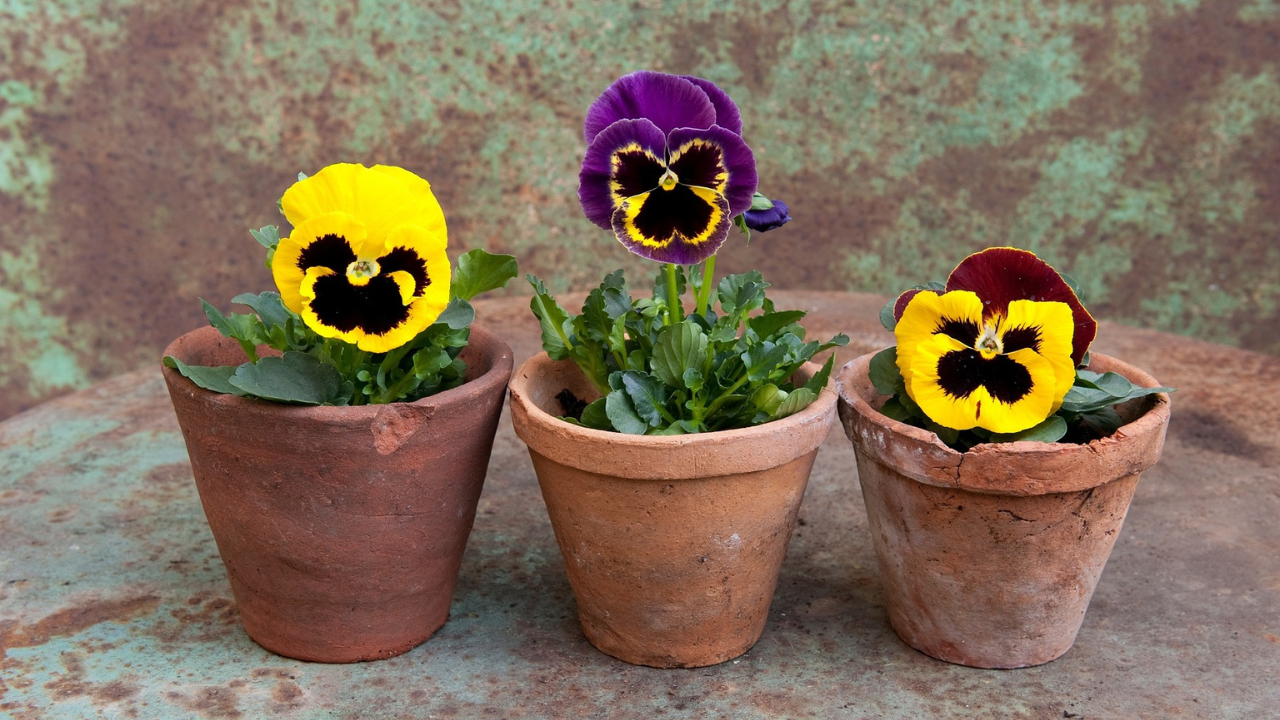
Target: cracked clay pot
[(341, 528), (989, 558), (672, 544)]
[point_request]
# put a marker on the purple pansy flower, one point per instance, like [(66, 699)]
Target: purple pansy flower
[(666, 167), (768, 218)]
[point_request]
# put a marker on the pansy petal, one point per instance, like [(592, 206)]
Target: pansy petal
[(430, 215), (1004, 274), (702, 157), (958, 388), (669, 101), (328, 240), (624, 160), (957, 315), (1046, 328), (727, 115), (900, 305), (683, 225), (380, 201)]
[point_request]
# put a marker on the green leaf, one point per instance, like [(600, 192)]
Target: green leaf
[(680, 347), (267, 236), (458, 314), (895, 410), (693, 379), (269, 307), (479, 272), (430, 361), (1106, 420), (1071, 283), (648, 396), (763, 359), (769, 323), (884, 371), (595, 416), (295, 378), (819, 379), (768, 398), (622, 415), (799, 399), (552, 318), (208, 377), (886, 315), (1051, 429), (948, 436), (742, 293)]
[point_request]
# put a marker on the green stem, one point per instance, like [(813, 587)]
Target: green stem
[(708, 277), (673, 296), (724, 397), (249, 350)]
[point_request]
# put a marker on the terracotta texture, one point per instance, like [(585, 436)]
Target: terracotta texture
[(341, 528), (672, 544), (989, 558)]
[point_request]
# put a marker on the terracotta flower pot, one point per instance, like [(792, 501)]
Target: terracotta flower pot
[(989, 558), (672, 544), (341, 528)]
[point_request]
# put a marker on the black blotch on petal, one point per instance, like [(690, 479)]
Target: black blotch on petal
[(1020, 338), (404, 259), (966, 331), (636, 173), (699, 165), (327, 251), (375, 308), (678, 210), (960, 372)]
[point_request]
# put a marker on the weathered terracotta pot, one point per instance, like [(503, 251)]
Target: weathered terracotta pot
[(672, 544), (341, 528), (989, 558)]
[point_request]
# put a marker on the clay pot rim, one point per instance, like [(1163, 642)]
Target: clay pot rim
[(667, 457), (1042, 467), (496, 352)]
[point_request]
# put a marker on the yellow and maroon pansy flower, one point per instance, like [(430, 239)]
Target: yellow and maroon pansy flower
[(965, 368), (366, 260), (1001, 275), (666, 167)]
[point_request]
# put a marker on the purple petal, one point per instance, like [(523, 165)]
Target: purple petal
[(766, 220), (727, 115), (598, 169), (739, 163), (668, 101)]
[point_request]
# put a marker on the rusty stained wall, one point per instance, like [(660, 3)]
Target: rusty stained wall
[(1133, 144)]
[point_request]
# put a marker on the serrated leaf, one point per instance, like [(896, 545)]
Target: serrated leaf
[(295, 378), (458, 314), (648, 395), (622, 415), (679, 347), (799, 399), (693, 379), (478, 272), (820, 378), (770, 323), (267, 236), (552, 319), (209, 377), (1051, 429), (887, 318), (269, 307), (884, 372), (761, 360), (742, 293)]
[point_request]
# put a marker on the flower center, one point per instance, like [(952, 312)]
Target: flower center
[(669, 180), (988, 342), (361, 272)]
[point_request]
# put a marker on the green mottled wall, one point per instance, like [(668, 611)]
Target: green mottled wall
[(1133, 144)]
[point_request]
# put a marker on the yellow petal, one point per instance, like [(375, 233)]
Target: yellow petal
[(376, 199), (980, 407), (1054, 325), (923, 317), (285, 264)]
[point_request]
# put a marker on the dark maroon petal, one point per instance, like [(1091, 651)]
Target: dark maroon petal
[(900, 306), (629, 138), (736, 158), (668, 101), (727, 115), (1001, 275)]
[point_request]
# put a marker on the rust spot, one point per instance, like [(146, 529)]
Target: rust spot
[(72, 684), (75, 619), (62, 514), (216, 703), (1272, 638), (287, 693)]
